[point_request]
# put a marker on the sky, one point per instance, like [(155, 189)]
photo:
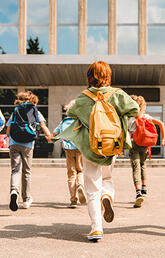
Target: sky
[(97, 36)]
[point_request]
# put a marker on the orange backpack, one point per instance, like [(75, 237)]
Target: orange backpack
[(105, 131), (146, 133)]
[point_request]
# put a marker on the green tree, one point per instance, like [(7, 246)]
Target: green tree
[(2, 50), (33, 46)]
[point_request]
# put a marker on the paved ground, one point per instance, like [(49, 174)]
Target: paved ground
[(50, 229)]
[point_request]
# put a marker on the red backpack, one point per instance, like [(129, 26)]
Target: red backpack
[(146, 133)]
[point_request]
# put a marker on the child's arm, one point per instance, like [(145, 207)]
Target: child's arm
[(45, 130), (162, 130)]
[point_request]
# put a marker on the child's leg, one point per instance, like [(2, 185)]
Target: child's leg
[(15, 157), (93, 186), (27, 155), (107, 184), (79, 168), (72, 173), (143, 157), (136, 170), (108, 191)]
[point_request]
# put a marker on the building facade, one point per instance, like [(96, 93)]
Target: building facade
[(126, 34)]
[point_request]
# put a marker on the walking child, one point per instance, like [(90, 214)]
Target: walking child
[(74, 163), (138, 154), (98, 181), (21, 150)]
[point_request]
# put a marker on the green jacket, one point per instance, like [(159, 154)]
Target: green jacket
[(125, 106)]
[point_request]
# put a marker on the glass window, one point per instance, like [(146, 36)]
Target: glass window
[(9, 39), (156, 11), (127, 40), (97, 11), (97, 40), (67, 11), (156, 39), (127, 11), (42, 32), (7, 98), (67, 42), (38, 12), (9, 11), (154, 109)]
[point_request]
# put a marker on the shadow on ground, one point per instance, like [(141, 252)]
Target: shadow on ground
[(72, 232)]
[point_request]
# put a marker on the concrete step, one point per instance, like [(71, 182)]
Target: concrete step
[(61, 163)]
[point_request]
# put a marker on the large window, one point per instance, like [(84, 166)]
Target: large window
[(97, 27), (127, 27), (7, 98), (9, 27), (38, 22), (156, 27), (67, 31)]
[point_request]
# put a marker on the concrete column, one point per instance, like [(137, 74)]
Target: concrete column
[(82, 38), (142, 27), (52, 27), (54, 116), (22, 27), (112, 27)]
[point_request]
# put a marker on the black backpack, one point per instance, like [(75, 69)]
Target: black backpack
[(24, 126)]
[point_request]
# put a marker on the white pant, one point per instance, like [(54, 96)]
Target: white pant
[(97, 182)]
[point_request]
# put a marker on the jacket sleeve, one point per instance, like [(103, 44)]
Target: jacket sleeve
[(124, 104), (126, 108)]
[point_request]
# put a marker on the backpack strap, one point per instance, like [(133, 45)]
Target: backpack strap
[(90, 94), (95, 97)]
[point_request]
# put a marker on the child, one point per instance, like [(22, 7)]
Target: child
[(138, 154), (74, 163), (98, 169), (21, 154)]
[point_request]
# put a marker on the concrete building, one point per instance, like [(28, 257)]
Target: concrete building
[(60, 74)]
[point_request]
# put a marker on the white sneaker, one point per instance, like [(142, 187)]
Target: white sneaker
[(13, 200), (28, 203)]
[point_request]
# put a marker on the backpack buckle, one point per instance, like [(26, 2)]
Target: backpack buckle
[(117, 146), (99, 145)]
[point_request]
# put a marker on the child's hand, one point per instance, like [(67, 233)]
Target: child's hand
[(163, 141), (49, 137)]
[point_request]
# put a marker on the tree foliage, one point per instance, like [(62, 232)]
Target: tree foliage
[(2, 50), (33, 46)]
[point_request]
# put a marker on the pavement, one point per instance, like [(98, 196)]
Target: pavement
[(50, 229)]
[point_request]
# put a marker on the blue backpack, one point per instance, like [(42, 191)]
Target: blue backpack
[(24, 126)]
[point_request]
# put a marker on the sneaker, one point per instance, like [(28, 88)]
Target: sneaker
[(108, 210), (13, 200), (27, 204), (73, 205), (81, 194), (138, 202), (95, 236), (144, 193)]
